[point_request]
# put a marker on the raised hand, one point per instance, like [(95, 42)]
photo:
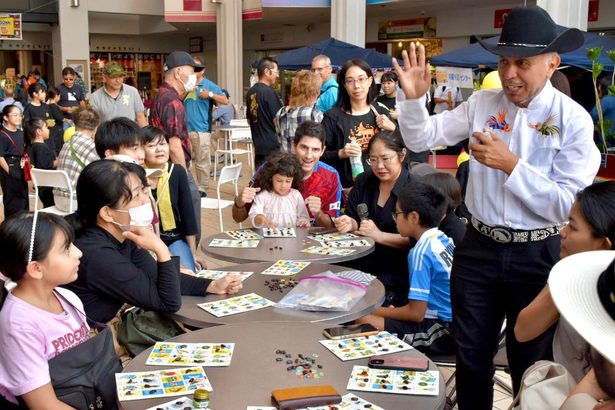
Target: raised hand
[(414, 76)]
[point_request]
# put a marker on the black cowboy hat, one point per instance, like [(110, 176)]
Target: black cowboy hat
[(529, 31)]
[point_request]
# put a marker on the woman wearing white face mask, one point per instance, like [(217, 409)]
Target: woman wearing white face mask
[(115, 237)]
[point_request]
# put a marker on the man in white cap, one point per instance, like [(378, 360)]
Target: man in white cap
[(169, 114), (531, 150), (583, 289)]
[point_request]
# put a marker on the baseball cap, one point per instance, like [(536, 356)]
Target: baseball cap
[(114, 69), (180, 58), (583, 289)]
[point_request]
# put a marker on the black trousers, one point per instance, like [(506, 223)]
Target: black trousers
[(14, 188), (490, 281)]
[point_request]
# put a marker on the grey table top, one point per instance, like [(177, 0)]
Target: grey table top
[(193, 315), (254, 372), (228, 127), (273, 249)]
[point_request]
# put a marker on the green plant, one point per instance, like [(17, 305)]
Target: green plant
[(593, 54)]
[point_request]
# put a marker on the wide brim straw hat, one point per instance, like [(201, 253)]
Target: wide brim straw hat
[(583, 289)]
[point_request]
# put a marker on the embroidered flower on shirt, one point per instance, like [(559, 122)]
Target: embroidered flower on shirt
[(547, 128), (499, 122)]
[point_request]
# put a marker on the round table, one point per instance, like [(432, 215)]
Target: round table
[(273, 249), (193, 315), (254, 372)]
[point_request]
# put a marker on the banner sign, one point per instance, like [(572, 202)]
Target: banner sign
[(455, 77), (10, 26), (410, 28)]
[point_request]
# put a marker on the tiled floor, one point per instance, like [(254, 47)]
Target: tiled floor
[(210, 226)]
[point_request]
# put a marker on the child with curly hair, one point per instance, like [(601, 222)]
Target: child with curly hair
[(279, 202)]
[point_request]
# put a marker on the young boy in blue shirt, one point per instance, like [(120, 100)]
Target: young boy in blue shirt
[(425, 321)]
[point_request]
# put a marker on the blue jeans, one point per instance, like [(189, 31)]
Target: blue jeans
[(186, 259)]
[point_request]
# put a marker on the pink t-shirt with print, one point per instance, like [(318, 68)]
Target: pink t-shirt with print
[(30, 336)]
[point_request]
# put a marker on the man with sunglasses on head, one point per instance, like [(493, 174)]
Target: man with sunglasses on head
[(321, 66), (263, 103)]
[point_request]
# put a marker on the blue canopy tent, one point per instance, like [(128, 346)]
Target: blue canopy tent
[(474, 55), (338, 51)]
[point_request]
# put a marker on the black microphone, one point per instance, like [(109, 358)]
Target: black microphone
[(363, 211)]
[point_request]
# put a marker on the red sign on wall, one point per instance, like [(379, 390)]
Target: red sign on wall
[(193, 5), (592, 10), (499, 17)]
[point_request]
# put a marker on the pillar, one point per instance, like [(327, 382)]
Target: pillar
[(71, 37), (229, 41), (568, 13), (348, 21)]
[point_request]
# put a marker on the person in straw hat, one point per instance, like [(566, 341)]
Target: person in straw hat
[(583, 289), (531, 150)]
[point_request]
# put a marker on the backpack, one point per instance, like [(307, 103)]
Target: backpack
[(544, 386)]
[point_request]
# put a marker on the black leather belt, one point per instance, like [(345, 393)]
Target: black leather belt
[(505, 235)]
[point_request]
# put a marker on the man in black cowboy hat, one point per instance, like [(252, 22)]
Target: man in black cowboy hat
[(531, 150)]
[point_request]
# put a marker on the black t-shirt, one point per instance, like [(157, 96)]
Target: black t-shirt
[(14, 147), (453, 227), (389, 102), (341, 128), (263, 103), (32, 111), (41, 156), (70, 97)]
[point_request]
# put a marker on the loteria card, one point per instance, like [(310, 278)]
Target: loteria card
[(349, 402), (346, 244), (282, 232), (238, 304), (233, 243), (181, 403), (333, 236), (394, 381), (217, 274), (285, 268), (365, 346), (320, 250), (161, 383), (244, 234), (191, 354)]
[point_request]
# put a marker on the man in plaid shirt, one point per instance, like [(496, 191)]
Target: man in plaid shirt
[(76, 153)]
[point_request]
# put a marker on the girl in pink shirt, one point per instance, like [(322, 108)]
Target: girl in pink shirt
[(279, 202), (38, 320)]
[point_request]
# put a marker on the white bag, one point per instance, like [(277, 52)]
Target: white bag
[(545, 386)]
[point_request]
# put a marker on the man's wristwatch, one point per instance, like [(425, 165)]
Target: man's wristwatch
[(211, 94)]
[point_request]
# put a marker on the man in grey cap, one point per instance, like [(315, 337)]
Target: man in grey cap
[(169, 114), (116, 99)]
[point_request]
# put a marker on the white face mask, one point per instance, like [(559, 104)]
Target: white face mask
[(141, 215), (191, 84)]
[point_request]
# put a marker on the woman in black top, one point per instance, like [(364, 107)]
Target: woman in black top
[(451, 225), (115, 237), (377, 188), (178, 226), (353, 119), (12, 180), (41, 156)]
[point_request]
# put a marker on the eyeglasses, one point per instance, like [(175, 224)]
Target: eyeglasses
[(318, 69), (351, 81), (274, 70), (394, 215), (378, 161)]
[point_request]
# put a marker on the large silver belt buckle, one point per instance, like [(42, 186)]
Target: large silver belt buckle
[(500, 235)]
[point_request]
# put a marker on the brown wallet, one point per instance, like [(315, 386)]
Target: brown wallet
[(301, 397)]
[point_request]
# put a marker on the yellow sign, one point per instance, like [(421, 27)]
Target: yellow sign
[(10, 26)]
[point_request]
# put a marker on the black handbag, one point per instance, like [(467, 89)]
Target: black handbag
[(84, 376)]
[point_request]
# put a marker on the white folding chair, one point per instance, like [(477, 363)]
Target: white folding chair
[(55, 179), (228, 174), (240, 122), (230, 151)]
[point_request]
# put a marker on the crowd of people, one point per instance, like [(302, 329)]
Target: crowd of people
[(458, 257)]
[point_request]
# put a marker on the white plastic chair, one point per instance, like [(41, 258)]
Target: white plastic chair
[(228, 174), (230, 151), (55, 179), (239, 122)]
